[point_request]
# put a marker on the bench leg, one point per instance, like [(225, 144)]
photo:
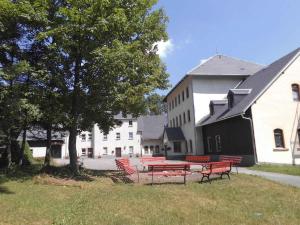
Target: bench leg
[(207, 176), (237, 172), (184, 179), (152, 179), (225, 174)]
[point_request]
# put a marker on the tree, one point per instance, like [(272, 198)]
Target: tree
[(105, 54), (155, 105)]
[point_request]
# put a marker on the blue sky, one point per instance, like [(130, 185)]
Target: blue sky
[(256, 30)]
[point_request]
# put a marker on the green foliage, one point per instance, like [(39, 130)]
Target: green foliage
[(155, 104)]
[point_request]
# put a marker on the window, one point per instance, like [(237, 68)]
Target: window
[(157, 149), (177, 146), (218, 143), (187, 92), (89, 137), (298, 132), (176, 121), (172, 104), (151, 149), (279, 140), (173, 122), (146, 150), (130, 123), (191, 146), (169, 106), (131, 149), (178, 99), (209, 144), (189, 115), (83, 137), (118, 136), (295, 90), (180, 120), (105, 151), (170, 125), (130, 135), (175, 101), (182, 96), (105, 137), (184, 119), (83, 152)]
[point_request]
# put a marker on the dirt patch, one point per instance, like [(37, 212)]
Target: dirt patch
[(45, 179)]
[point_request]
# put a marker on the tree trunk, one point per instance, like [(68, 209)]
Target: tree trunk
[(8, 150), (21, 158), (73, 150), (48, 147)]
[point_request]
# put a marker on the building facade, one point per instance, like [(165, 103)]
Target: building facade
[(187, 101), (260, 120)]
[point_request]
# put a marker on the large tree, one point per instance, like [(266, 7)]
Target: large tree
[(105, 53)]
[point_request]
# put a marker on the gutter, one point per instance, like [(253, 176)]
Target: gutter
[(252, 136)]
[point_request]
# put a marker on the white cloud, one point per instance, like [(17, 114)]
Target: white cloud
[(164, 48)]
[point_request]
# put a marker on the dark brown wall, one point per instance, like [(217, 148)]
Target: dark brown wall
[(235, 137)]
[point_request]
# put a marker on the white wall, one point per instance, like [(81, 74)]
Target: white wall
[(111, 143), (188, 128), (276, 109)]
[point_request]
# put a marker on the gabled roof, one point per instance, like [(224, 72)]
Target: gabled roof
[(39, 134), (225, 65), (151, 127), (221, 65), (258, 83), (174, 134)]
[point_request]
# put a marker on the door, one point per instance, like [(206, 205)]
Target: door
[(90, 153), (118, 152)]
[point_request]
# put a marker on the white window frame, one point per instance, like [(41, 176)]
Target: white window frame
[(118, 136), (130, 136)]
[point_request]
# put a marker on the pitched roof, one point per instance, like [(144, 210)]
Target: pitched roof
[(221, 65), (39, 134), (152, 127), (258, 83), (174, 134), (225, 65)]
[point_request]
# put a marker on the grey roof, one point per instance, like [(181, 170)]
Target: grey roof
[(174, 134), (151, 127), (38, 134), (240, 91), (120, 116), (258, 83), (225, 65), (221, 65)]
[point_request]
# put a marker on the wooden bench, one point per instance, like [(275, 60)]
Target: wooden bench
[(146, 160), (222, 168), (169, 170), (236, 160), (128, 170)]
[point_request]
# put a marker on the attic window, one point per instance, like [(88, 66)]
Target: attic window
[(295, 90)]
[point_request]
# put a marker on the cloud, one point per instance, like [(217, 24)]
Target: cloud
[(164, 48)]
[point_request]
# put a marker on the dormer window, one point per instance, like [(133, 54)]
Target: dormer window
[(295, 91), (230, 100), (211, 109)]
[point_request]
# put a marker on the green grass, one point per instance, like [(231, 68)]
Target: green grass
[(285, 169), (41, 199)]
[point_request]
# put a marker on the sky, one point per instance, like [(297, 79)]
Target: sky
[(259, 31)]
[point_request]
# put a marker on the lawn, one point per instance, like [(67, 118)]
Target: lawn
[(285, 169), (41, 199)]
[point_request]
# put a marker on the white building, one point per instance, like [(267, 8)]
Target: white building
[(188, 100), (133, 137), (260, 120)]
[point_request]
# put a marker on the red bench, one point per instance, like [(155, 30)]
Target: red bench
[(128, 170), (222, 168), (169, 170), (145, 160), (197, 158), (236, 160)]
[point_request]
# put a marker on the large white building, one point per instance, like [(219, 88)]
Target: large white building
[(188, 101), (133, 137)]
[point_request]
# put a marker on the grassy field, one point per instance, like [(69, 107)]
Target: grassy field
[(44, 199), (285, 169)]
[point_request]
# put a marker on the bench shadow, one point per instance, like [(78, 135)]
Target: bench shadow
[(5, 190), (212, 179), (164, 183)]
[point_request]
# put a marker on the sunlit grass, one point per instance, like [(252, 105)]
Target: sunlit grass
[(284, 169), (242, 200)]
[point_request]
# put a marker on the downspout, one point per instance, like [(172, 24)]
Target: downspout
[(252, 136)]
